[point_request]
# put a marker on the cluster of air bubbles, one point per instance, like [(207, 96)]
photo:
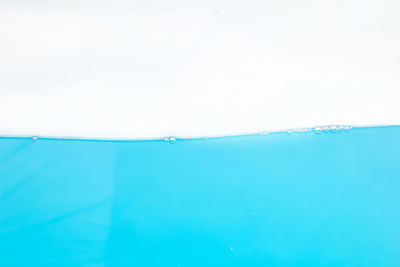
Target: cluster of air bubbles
[(170, 140), (263, 133), (331, 129), (34, 138)]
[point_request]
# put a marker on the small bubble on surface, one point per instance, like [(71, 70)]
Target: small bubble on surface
[(34, 138), (170, 140), (347, 127)]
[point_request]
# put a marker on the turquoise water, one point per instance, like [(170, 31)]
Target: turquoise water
[(327, 197)]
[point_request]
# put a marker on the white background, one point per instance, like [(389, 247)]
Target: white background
[(145, 69)]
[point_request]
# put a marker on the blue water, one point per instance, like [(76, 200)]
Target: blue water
[(328, 197)]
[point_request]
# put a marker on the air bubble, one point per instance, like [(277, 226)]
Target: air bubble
[(317, 130), (171, 140), (263, 133), (334, 129), (346, 128), (34, 138)]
